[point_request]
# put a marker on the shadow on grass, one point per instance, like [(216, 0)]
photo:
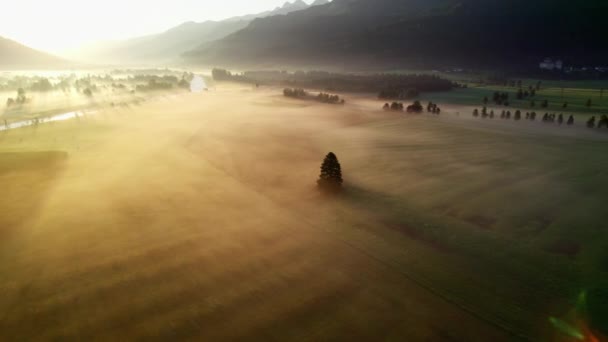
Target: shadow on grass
[(390, 213)]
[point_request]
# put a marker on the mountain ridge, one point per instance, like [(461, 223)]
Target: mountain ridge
[(14, 55), (416, 33), (167, 46)]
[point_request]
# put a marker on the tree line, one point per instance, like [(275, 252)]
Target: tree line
[(518, 115), (388, 86), (300, 93)]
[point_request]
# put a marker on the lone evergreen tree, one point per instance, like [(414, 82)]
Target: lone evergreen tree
[(331, 173)]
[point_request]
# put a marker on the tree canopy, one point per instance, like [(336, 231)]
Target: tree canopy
[(331, 174)]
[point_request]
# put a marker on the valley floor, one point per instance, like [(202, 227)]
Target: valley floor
[(197, 217)]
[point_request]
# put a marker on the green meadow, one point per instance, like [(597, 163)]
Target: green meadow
[(575, 93)]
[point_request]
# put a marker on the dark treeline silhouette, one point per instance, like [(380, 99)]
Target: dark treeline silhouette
[(153, 84), (388, 86), (531, 116), (300, 93)]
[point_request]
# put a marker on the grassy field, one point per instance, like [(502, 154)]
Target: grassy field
[(189, 218), (576, 97)]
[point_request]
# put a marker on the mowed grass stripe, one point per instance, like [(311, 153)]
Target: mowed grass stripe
[(208, 295), (157, 286)]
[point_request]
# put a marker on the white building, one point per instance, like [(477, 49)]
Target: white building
[(550, 64)]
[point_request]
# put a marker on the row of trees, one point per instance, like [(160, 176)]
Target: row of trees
[(517, 115), (387, 86), (502, 98)]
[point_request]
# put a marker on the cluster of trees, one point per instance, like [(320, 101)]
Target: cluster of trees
[(162, 82), (485, 113), (517, 115), (42, 84), (415, 107), (19, 100), (295, 92), (395, 106), (153, 84), (225, 75), (158, 78), (522, 94), (329, 98), (499, 99), (433, 108), (603, 122), (88, 92), (37, 84), (551, 118), (300, 93)]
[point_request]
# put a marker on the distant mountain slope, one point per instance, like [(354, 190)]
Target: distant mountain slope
[(405, 33), (17, 56), (166, 47)]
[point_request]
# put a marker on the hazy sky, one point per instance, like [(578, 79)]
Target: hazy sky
[(57, 25)]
